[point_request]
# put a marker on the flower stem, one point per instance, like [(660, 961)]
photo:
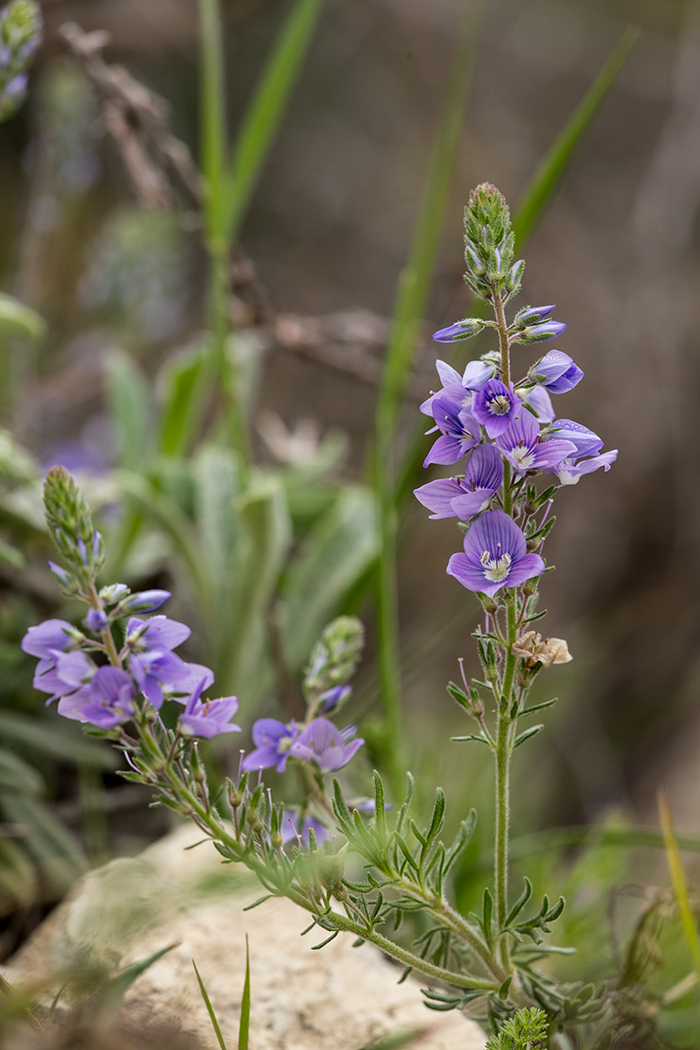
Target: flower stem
[(502, 334), (503, 758)]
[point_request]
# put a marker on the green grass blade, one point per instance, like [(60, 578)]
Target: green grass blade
[(119, 985), (551, 169), (680, 887), (265, 112), (412, 294), (212, 117), (210, 1009), (244, 1027)]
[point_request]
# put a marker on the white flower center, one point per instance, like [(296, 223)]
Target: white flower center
[(495, 569), (499, 405), (523, 456)]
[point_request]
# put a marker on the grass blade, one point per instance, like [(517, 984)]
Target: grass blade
[(551, 169), (244, 1026), (680, 887), (412, 294), (210, 1009), (265, 112)]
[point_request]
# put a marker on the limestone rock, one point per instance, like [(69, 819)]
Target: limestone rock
[(338, 998)]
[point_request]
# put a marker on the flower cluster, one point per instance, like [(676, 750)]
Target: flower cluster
[(508, 430)]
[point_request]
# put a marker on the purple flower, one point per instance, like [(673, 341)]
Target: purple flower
[(494, 405), (570, 470), (534, 313), (587, 443), (273, 740), (208, 718), (459, 428), (321, 742), (539, 400), (495, 555), (39, 641), (559, 371), (334, 698), (458, 388), (96, 620), (145, 601), (464, 497), (522, 446), (152, 662), (461, 330), (538, 332), (290, 828), (107, 701), (63, 673)]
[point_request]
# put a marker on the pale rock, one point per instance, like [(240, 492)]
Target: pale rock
[(338, 998)]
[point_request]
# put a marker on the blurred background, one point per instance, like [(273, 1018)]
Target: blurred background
[(122, 289)]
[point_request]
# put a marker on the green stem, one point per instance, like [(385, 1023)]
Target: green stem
[(502, 334), (216, 236), (503, 758)]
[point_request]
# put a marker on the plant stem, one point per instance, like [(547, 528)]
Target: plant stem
[(502, 335), (216, 237), (503, 758)]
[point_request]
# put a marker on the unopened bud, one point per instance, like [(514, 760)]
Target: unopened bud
[(143, 601), (96, 620)]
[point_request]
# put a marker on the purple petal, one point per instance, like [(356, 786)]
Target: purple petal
[(163, 633), (484, 469), (51, 634), (493, 532), (569, 472), (448, 450), (538, 399), (470, 503), (527, 567), (436, 496), (476, 374), (587, 443), (449, 376)]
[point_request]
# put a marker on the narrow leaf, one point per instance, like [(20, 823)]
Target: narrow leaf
[(210, 1008), (119, 985), (244, 1027), (526, 735), (265, 112), (543, 184), (680, 886)]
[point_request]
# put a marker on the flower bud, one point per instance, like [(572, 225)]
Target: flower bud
[(333, 699), (111, 594), (536, 333), (70, 523), (533, 314), (143, 601), (465, 329), (96, 620), (335, 655)]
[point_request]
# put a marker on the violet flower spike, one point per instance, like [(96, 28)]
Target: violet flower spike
[(323, 743), (522, 446), (494, 405), (273, 740), (495, 555), (151, 660), (208, 718)]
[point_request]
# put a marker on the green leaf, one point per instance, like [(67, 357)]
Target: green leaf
[(49, 843), (210, 1008), (265, 539), (265, 112), (216, 486), (379, 811), (438, 817), (522, 737), (244, 1026), (552, 168), (117, 988), (129, 401), (19, 320), (16, 775), (165, 513), (520, 903), (184, 385), (333, 555)]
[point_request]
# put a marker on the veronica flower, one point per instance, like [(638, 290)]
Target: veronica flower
[(559, 372), (461, 330), (522, 445), (459, 388), (587, 443), (51, 634), (63, 673), (494, 405), (152, 662), (273, 740), (208, 718), (465, 497), (570, 470), (105, 702), (326, 745), (495, 555), (459, 431)]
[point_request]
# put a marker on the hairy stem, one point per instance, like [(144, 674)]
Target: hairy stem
[(502, 334)]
